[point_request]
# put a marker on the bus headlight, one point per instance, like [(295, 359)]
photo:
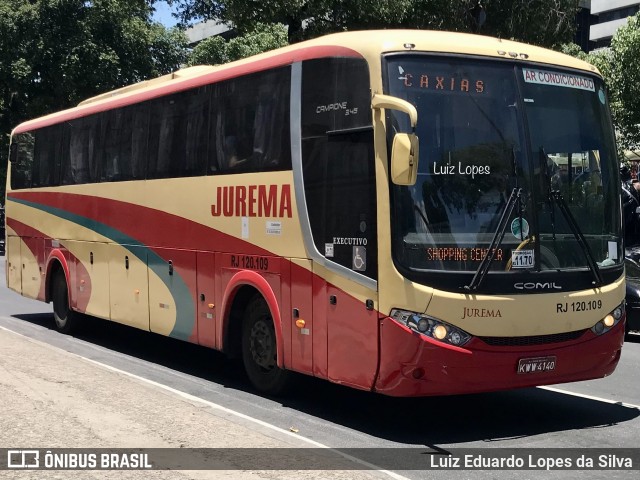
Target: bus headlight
[(431, 327), (609, 321)]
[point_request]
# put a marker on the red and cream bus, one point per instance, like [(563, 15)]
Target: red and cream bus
[(396, 211)]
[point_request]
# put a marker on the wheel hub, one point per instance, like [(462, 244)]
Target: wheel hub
[(262, 345)]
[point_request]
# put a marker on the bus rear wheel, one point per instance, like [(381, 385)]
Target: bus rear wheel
[(66, 319), (259, 349)]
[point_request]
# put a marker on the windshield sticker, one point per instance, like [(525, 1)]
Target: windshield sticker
[(601, 96), (520, 232), (557, 79), (522, 259)]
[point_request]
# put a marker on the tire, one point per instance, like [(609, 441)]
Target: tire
[(66, 320), (259, 351)]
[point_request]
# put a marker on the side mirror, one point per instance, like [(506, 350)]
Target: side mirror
[(404, 151), (404, 159)]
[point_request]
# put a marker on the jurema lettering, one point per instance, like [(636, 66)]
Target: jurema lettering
[(252, 201)]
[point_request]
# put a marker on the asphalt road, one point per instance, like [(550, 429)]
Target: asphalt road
[(597, 414)]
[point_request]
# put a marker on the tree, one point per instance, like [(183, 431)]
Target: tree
[(623, 78), (543, 22), (55, 53), (547, 23), (216, 50), (618, 66)]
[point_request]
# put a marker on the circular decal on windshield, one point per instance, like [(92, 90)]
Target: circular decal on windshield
[(601, 96), (516, 229)]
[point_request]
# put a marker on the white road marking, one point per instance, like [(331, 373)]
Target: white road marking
[(193, 398), (591, 397)]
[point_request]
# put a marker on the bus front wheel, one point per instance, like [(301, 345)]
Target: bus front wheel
[(65, 318), (259, 349)]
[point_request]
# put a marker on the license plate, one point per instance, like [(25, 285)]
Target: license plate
[(536, 365)]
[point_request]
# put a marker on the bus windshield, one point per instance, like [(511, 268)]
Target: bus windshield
[(488, 130)]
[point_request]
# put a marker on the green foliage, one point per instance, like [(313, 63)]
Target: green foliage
[(54, 53), (215, 50), (543, 22), (619, 67), (623, 76)]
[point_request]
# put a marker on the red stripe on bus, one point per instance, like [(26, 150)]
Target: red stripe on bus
[(153, 228)]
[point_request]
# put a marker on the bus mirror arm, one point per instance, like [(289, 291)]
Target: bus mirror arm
[(386, 101), (404, 151)]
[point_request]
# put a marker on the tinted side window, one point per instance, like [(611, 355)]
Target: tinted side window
[(82, 163), (178, 135), (48, 155), (139, 140), (21, 155), (339, 177), (250, 123), (166, 140), (116, 145), (196, 131), (338, 162), (335, 95)]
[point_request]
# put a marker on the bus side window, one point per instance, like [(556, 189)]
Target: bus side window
[(48, 156), (196, 125), (250, 123), (22, 155), (116, 145), (164, 137), (338, 162), (82, 164)]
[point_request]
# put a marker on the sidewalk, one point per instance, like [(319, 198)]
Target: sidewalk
[(54, 399)]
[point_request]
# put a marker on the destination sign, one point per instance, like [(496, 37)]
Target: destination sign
[(558, 79)]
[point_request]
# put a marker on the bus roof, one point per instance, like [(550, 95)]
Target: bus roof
[(367, 44)]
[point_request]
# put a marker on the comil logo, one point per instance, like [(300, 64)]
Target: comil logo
[(23, 459), (537, 286)]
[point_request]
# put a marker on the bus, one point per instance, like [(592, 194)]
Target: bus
[(396, 211)]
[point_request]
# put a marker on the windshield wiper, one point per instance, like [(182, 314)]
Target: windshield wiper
[(484, 266), (556, 196)]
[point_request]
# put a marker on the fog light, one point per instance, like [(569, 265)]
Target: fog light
[(418, 373), (423, 325), (440, 332), (609, 321)]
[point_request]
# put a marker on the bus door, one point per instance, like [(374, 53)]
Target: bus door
[(341, 200)]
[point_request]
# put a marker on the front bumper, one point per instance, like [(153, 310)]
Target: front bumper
[(414, 365)]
